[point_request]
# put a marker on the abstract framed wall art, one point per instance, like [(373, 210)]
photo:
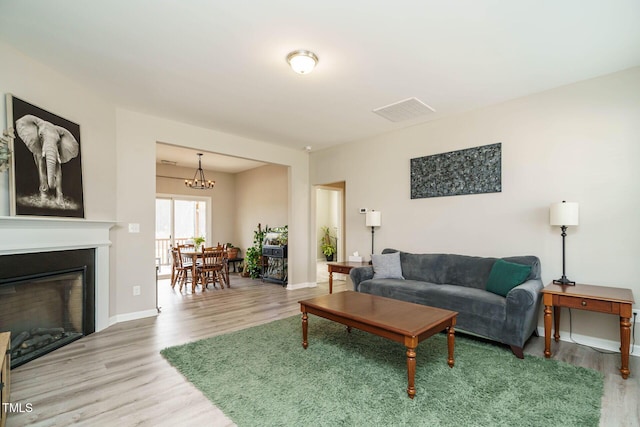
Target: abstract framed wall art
[(46, 172), (470, 171)]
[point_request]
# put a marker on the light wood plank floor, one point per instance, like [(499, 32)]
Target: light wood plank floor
[(117, 377)]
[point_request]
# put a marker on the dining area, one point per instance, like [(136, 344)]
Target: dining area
[(202, 267)]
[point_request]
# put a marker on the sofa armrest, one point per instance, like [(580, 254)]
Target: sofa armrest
[(360, 274), (525, 294), (523, 305)]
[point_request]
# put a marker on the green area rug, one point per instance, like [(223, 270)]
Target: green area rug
[(262, 376)]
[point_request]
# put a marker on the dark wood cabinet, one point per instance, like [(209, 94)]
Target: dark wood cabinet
[(275, 269)]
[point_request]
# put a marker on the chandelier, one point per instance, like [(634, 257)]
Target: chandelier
[(199, 182)]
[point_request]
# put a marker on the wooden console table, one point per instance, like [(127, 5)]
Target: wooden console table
[(343, 267), (602, 299)]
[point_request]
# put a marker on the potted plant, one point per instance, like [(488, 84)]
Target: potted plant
[(198, 241), (232, 251), (253, 254), (328, 244)]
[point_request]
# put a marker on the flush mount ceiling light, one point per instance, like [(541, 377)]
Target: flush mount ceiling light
[(302, 61), (199, 182)]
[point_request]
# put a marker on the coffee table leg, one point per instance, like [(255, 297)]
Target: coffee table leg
[(305, 322), (450, 345), (411, 371)]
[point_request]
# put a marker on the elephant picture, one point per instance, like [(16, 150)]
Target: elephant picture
[(46, 149), (51, 146)]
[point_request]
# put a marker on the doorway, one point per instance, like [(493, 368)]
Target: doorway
[(330, 214), (178, 220)]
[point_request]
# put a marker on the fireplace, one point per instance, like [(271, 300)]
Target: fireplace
[(52, 240), (47, 300)]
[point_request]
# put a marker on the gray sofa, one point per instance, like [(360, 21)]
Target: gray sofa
[(458, 283)]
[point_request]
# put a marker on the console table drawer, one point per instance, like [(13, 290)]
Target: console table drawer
[(585, 304), (340, 269)]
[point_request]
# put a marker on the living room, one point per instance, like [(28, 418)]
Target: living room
[(574, 141)]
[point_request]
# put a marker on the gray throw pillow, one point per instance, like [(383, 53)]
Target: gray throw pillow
[(387, 266)]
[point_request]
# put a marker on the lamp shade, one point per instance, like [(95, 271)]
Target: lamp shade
[(563, 214), (372, 219)]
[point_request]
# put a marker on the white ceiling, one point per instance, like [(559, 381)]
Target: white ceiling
[(221, 64)]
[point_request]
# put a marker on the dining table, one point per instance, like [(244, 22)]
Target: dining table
[(195, 255)]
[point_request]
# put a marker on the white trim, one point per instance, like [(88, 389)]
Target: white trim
[(34, 234), (132, 316), (292, 286), (602, 344)]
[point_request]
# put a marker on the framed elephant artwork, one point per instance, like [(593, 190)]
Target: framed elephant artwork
[(46, 173)]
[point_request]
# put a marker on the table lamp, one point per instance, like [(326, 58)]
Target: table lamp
[(372, 219), (563, 214)]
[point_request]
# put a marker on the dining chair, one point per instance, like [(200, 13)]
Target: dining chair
[(187, 259), (212, 268), (181, 271)]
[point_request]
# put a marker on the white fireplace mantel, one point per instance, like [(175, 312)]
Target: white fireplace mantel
[(22, 234), (31, 234)]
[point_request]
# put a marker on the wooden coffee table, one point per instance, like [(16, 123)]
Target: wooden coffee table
[(399, 321)]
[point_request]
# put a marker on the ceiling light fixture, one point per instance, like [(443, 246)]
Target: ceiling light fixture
[(302, 61), (199, 182)]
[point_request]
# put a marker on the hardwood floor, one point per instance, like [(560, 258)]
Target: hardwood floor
[(117, 377)]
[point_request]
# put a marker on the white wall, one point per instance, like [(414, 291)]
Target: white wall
[(44, 87), (577, 143), (118, 159), (47, 89), (262, 197), (136, 137)]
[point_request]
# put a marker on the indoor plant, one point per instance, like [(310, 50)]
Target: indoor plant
[(328, 244), (198, 241), (253, 254), (232, 251)]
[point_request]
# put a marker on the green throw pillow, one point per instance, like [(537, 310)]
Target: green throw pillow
[(505, 276)]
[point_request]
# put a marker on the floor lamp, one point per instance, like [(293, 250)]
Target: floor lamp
[(372, 219), (563, 214)]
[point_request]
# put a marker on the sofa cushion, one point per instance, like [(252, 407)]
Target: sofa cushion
[(387, 266), (479, 311), (451, 269), (505, 276)]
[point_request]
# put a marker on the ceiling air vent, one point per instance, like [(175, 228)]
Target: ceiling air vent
[(406, 109)]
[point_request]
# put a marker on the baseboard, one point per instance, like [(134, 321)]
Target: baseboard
[(132, 316), (293, 286), (599, 343)]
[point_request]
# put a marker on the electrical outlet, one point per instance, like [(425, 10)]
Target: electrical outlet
[(363, 210), (136, 291)]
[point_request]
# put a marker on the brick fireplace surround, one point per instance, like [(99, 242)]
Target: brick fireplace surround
[(23, 235)]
